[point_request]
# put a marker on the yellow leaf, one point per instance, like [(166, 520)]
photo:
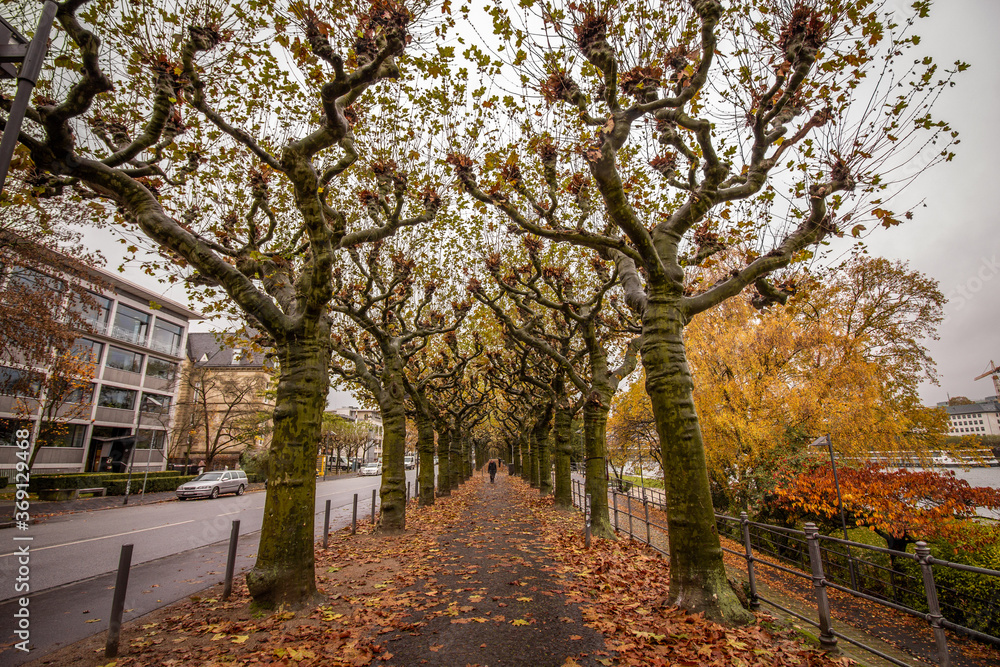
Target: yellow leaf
[(519, 621), (239, 639)]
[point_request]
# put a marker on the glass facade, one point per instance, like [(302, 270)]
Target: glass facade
[(9, 429), (93, 315), (147, 439), (154, 404), (63, 435), (18, 382), (130, 325), (116, 397), (161, 369), (124, 360), (166, 337)]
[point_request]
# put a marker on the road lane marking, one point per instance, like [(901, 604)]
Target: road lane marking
[(103, 537)]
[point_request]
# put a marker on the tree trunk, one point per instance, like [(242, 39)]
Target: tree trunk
[(532, 458), (541, 438), (444, 464), (425, 449), (392, 493), (697, 573), (284, 573), (563, 454), (595, 423), (455, 465)]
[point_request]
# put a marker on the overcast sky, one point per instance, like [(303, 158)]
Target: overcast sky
[(954, 239)]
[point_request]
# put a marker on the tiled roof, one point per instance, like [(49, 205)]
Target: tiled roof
[(204, 349)]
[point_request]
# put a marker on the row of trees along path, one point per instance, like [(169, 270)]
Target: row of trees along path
[(348, 190)]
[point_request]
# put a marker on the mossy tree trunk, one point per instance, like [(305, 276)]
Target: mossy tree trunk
[(697, 573), (455, 462), (425, 449), (284, 572), (540, 435), (563, 422), (392, 493), (444, 458)]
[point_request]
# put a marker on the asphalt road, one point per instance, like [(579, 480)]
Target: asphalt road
[(179, 549)]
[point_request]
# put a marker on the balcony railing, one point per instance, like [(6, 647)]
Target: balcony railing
[(128, 335), (173, 349)]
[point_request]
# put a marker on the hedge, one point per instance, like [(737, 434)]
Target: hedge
[(87, 480), (153, 484)]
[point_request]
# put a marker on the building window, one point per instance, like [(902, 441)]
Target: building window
[(88, 350), (154, 404), (17, 382), (166, 337), (150, 439), (9, 429), (131, 325), (93, 315), (25, 279), (124, 360), (114, 397), (63, 435), (161, 369), (82, 395), (237, 356)]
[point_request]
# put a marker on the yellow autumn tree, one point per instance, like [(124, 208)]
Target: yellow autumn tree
[(844, 356)]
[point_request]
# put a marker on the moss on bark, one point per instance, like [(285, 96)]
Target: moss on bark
[(697, 573), (284, 573)]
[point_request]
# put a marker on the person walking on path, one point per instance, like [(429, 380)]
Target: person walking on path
[(492, 468)]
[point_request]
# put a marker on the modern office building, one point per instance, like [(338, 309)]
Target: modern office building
[(136, 338)]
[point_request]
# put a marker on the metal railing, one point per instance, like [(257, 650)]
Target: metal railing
[(907, 585)]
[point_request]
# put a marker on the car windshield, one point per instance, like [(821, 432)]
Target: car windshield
[(208, 477)]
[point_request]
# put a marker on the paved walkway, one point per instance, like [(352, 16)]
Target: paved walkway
[(496, 601)]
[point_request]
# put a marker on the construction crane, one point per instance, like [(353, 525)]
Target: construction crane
[(995, 372)]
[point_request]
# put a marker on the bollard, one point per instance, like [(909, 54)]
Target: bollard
[(118, 602), (586, 518), (326, 524), (373, 508), (827, 640), (934, 616), (751, 575), (354, 516), (234, 538), (645, 506), (407, 492)]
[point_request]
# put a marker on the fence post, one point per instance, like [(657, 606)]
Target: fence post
[(827, 640), (373, 508), (586, 519), (628, 504), (354, 516), (645, 506), (234, 538), (934, 609), (118, 602), (614, 502), (407, 492), (751, 575)]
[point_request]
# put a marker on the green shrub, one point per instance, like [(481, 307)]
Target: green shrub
[(153, 484), (85, 480)]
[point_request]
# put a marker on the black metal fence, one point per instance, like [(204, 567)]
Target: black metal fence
[(961, 598)]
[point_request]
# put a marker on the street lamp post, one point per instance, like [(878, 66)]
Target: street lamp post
[(819, 442), (30, 54)]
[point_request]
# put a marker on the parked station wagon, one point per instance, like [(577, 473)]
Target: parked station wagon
[(211, 484)]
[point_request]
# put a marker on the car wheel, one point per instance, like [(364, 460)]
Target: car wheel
[(240, 490), (215, 492)]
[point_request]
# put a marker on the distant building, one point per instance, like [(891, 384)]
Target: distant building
[(977, 418), (227, 386), (137, 342), (373, 419)]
